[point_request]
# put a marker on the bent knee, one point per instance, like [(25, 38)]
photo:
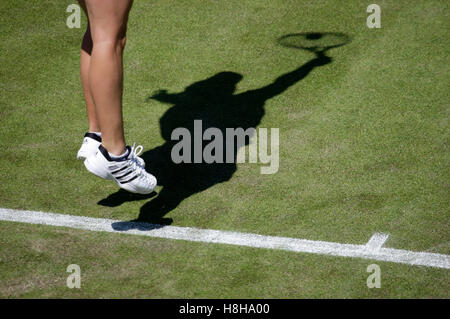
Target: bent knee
[(107, 38), (112, 43)]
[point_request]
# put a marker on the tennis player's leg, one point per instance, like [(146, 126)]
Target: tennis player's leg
[(114, 160), (108, 24), (85, 60), (92, 138)]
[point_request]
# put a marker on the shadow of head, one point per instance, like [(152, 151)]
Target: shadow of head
[(215, 87), (141, 226)]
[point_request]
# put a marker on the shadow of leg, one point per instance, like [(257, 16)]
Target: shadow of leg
[(167, 200), (122, 196)]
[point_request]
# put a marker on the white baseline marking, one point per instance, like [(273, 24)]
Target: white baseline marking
[(372, 250)]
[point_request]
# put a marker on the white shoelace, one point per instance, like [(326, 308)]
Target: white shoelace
[(135, 164)]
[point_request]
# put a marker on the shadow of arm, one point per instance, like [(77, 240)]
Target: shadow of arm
[(285, 81), (163, 96)]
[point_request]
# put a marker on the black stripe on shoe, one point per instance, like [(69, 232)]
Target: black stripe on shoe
[(93, 136), (131, 179), (120, 169), (126, 174)]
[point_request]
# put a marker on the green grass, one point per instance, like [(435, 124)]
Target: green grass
[(363, 149)]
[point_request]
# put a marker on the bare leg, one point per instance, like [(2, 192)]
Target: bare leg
[(85, 60), (108, 23)]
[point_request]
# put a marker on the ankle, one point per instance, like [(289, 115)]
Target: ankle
[(115, 150), (94, 128)]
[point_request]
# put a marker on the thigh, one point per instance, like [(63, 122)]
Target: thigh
[(108, 19)]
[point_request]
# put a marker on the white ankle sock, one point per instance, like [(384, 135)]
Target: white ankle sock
[(119, 156), (99, 134)]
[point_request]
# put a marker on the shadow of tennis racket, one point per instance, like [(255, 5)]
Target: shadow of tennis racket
[(316, 42)]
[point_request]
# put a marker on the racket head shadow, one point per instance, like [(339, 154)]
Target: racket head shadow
[(314, 41)]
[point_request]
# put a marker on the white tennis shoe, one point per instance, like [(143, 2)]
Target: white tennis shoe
[(127, 171), (90, 145)]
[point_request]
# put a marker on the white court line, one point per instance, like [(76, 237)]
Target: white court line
[(377, 240), (372, 250)]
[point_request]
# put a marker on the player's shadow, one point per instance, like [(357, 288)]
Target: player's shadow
[(213, 101)]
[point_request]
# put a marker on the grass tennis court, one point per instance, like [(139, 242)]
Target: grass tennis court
[(363, 148)]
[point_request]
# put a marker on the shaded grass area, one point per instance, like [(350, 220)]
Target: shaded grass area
[(363, 142)]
